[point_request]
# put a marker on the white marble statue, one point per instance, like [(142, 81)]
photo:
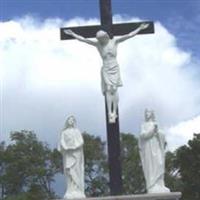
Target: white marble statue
[(110, 72), (152, 153), (71, 147)]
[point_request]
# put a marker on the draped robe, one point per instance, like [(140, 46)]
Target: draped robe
[(152, 154), (71, 147)]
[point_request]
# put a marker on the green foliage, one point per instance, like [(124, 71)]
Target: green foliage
[(30, 167), (132, 175), (2, 169), (188, 163), (172, 176), (34, 193), (96, 172)]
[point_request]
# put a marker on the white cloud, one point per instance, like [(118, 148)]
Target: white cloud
[(182, 132), (45, 79)]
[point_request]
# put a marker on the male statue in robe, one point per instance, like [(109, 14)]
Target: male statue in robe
[(71, 148), (152, 145), (110, 72)]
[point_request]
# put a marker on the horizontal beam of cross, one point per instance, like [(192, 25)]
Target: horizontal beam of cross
[(117, 29)]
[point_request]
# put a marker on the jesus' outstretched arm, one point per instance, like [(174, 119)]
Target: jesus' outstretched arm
[(132, 34), (80, 38)]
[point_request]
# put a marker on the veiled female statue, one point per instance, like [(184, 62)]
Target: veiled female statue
[(71, 147), (152, 153)]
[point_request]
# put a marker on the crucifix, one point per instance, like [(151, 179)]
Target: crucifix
[(106, 44)]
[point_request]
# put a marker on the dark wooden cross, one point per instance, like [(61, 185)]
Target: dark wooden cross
[(113, 132)]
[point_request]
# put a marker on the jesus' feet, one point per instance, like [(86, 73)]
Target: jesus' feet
[(112, 118)]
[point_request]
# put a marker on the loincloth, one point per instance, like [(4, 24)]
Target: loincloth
[(110, 76)]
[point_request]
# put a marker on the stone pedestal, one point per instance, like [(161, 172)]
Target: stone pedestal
[(155, 196)]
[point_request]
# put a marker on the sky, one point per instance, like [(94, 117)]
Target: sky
[(181, 17), (44, 80)]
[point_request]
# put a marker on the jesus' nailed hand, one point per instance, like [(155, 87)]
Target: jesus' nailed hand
[(110, 73)]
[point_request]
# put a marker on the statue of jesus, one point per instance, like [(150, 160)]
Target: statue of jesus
[(110, 72)]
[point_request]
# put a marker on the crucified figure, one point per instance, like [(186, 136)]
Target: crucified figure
[(110, 73)]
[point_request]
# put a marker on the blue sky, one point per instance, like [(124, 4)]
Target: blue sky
[(153, 9), (181, 17)]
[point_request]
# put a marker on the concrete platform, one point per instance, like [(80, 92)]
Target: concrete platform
[(155, 196)]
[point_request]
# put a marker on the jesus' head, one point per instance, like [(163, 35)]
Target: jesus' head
[(102, 37)]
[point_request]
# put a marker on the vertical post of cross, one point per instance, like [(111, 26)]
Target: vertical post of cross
[(113, 132), (106, 16)]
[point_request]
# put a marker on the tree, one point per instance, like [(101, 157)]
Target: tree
[(30, 167), (172, 175), (188, 164), (96, 169), (2, 170), (132, 174)]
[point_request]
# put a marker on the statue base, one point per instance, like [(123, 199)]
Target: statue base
[(153, 196)]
